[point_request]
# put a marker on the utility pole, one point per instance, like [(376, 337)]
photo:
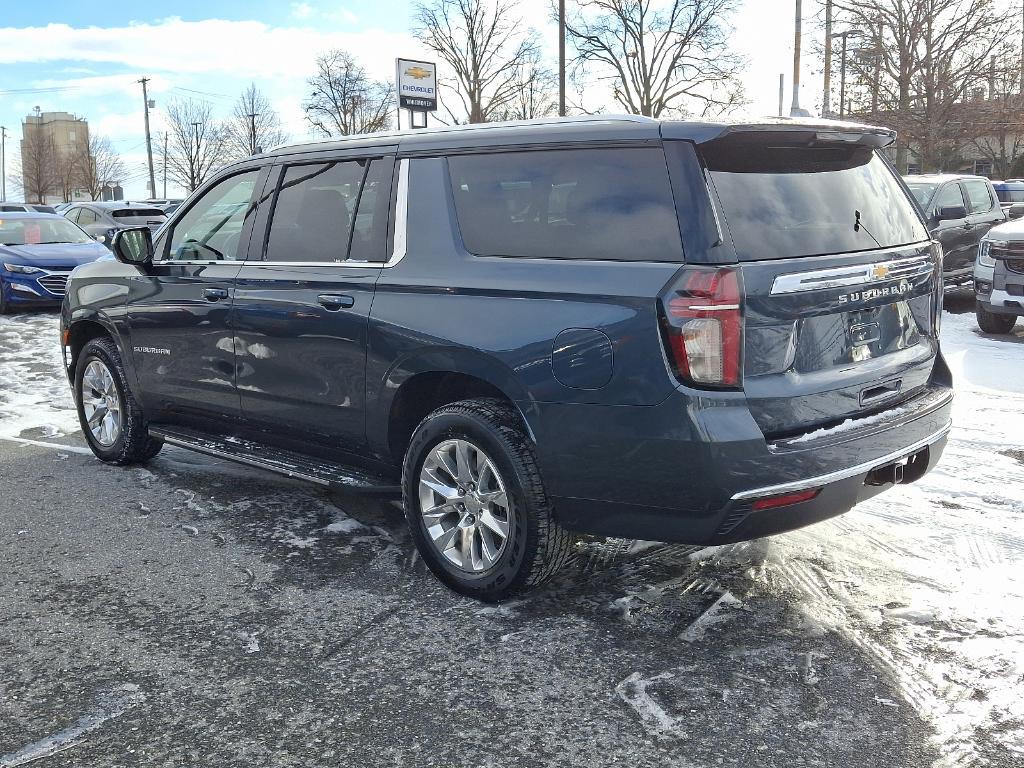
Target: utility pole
[(843, 109), (826, 106), (795, 110), (782, 91), (252, 129), (149, 140), (165, 165), (561, 58), (194, 171), (3, 162)]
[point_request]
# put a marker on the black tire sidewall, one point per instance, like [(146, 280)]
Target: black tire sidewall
[(511, 571), (94, 351), (999, 322)]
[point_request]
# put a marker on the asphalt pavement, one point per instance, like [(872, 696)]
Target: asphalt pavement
[(198, 613)]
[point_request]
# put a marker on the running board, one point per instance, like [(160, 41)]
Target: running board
[(282, 462)]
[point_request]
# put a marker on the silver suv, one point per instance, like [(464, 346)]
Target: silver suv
[(999, 277)]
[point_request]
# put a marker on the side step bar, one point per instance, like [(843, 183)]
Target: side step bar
[(280, 461)]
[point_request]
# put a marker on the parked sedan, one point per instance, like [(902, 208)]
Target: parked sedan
[(102, 220), (37, 253), (9, 207), (959, 210)]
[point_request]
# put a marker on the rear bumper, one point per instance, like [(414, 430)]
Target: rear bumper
[(701, 487)]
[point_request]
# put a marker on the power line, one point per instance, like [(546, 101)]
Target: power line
[(54, 89)]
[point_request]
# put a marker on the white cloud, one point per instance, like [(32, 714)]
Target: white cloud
[(182, 47), (302, 10)]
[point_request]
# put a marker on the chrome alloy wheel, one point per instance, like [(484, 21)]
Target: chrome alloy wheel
[(101, 404), (464, 505)]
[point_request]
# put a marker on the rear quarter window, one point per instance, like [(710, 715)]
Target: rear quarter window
[(604, 204), (979, 196), (783, 199)]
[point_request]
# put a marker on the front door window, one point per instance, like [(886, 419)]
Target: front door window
[(211, 230)]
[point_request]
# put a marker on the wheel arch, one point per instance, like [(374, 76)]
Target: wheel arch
[(85, 327), (420, 385)]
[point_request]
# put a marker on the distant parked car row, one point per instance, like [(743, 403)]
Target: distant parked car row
[(102, 220), (37, 253), (8, 207), (39, 247)]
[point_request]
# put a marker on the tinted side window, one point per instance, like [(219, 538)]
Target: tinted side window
[(949, 197), (211, 230), (370, 229), (609, 204), (313, 212), (978, 194)]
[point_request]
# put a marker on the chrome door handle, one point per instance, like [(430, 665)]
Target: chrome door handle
[(215, 294), (335, 301)]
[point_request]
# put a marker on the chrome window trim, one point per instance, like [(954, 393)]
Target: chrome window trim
[(397, 253), (857, 274)]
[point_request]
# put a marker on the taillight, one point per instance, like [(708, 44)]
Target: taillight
[(702, 324)]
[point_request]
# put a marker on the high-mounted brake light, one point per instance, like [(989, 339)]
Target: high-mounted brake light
[(702, 323)]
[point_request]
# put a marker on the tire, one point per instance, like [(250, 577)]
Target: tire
[(535, 546), (5, 308), (131, 443), (990, 322)]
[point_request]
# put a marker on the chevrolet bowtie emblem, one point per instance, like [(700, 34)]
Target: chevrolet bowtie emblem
[(418, 72), (879, 272)]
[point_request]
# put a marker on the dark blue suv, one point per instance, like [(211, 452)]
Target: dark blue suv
[(693, 332)]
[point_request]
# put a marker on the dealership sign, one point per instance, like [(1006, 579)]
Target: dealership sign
[(417, 85)]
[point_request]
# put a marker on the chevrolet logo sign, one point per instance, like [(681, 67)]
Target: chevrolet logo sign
[(879, 272), (418, 72)]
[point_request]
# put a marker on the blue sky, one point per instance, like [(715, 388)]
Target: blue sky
[(85, 57)]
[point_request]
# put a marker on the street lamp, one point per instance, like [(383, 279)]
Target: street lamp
[(842, 68)]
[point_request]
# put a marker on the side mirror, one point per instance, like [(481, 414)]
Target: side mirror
[(1016, 211), (951, 213), (133, 246)]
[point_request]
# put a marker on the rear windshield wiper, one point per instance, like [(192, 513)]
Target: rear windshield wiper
[(858, 225)]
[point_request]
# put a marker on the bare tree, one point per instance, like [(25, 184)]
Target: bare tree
[(488, 48), (670, 57), (67, 174), (997, 124), (927, 57), (197, 143), (344, 100), (98, 166), (535, 94), (39, 168), (254, 125)]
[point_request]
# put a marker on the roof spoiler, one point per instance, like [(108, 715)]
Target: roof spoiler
[(812, 131)]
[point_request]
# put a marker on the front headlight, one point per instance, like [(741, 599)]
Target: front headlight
[(985, 254), (21, 269)]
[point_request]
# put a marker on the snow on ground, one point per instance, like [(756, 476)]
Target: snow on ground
[(925, 579), (34, 394), (928, 577)]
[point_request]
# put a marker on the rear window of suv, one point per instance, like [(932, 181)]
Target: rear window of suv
[(604, 204), (782, 199), (138, 213)]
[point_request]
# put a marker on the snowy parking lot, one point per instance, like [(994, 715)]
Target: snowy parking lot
[(195, 612)]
